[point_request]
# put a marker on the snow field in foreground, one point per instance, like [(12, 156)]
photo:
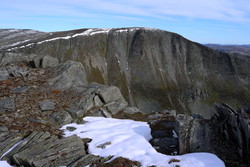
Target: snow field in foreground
[(129, 139)]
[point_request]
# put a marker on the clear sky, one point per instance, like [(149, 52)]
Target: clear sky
[(203, 21)]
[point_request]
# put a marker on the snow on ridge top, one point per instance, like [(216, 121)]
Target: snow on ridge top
[(88, 32), (93, 31), (129, 139)]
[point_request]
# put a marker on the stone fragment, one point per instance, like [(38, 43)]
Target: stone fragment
[(116, 106), (169, 112), (165, 145), (47, 105), (62, 117), (111, 94), (105, 113), (97, 101), (132, 110), (21, 89), (7, 104), (75, 112), (17, 71), (70, 128)]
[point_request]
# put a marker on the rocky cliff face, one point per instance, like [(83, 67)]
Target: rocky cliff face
[(154, 69)]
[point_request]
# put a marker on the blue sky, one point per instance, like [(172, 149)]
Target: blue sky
[(203, 21)]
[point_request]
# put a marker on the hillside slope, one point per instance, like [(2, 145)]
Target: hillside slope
[(154, 69)]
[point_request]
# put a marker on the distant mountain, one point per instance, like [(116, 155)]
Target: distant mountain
[(241, 49)]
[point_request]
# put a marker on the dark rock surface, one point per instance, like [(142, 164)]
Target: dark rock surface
[(226, 134), (233, 128)]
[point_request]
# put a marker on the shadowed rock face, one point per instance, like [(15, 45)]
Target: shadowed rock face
[(154, 69)]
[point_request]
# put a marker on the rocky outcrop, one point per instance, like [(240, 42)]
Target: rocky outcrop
[(154, 69), (233, 127), (226, 134), (32, 107), (41, 149), (69, 74)]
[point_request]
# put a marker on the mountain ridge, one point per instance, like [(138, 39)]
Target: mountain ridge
[(154, 69)]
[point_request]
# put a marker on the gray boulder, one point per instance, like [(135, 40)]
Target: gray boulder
[(69, 74), (116, 106), (48, 61), (111, 94), (21, 89), (113, 99), (62, 117)]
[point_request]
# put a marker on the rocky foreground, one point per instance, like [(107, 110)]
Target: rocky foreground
[(39, 95)]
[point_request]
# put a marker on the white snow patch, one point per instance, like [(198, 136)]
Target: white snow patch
[(129, 139), (53, 39), (125, 30), (20, 42), (4, 164), (90, 32)]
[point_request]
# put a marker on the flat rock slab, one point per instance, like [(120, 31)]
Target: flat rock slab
[(47, 105), (51, 152), (7, 104)]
